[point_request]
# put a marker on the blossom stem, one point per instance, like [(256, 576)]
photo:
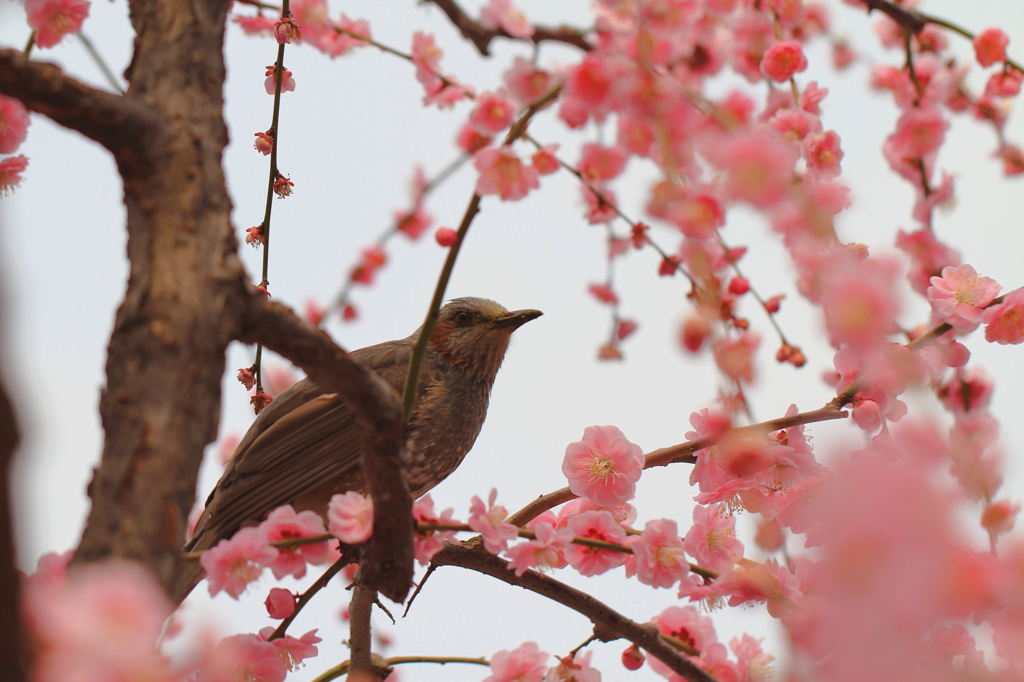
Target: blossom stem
[(343, 668), (304, 598)]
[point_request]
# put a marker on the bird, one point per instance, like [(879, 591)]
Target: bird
[(305, 446)]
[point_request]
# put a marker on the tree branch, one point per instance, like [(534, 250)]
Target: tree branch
[(908, 19), (481, 37), (609, 624), (114, 121), (683, 452), (387, 564), (11, 652)]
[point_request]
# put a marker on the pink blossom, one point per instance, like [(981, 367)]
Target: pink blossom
[(11, 169), (284, 524), (280, 603), (264, 143), (735, 356), (504, 15), (526, 82), (286, 30), (990, 46), (712, 539), (758, 167), (604, 466), (1004, 83), (256, 25), (688, 626), (373, 257), (823, 153), (493, 113), (918, 133), (503, 173), (588, 90), (489, 521), (543, 552), (544, 159), (597, 525), (1004, 323), (428, 543), (927, 254), (426, 57), (53, 19), (292, 651), (243, 657), (523, 664), (350, 517), (859, 302), (234, 563), (98, 623), (346, 38), (573, 669), (601, 163), (660, 561), (14, 122), (960, 295), (470, 140), (998, 517), (782, 60), (600, 204), (446, 237), (270, 84)]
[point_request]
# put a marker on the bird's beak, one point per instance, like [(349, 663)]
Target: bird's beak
[(516, 319)]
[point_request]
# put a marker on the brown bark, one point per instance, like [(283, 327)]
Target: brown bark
[(10, 634), (609, 624)]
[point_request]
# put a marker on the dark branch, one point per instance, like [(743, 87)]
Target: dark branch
[(114, 121), (909, 20), (608, 624), (11, 653), (388, 560), (481, 37)]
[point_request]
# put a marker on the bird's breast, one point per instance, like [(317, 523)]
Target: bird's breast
[(444, 426)]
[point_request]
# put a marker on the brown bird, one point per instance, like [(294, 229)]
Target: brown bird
[(305, 447)]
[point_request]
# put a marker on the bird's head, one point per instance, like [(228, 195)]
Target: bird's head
[(473, 333)]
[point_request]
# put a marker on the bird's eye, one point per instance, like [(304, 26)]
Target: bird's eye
[(462, 318)]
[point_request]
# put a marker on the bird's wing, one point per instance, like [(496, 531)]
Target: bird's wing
[(309, 439)]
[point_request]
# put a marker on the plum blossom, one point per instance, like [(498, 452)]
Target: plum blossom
[(597, 525), (493, 113), (502, 14), (543, 552), (573, 669), (660, 561), (430, 542), (98, 623), (960, 295), (687, 625), (782, 60), (53, 19), (712, 539), (243, 657), (14, 122), (350, 517), (526, 82), (280, 603), (604, 466), (11, 169), (990, 46), (292, 651), (525, 663), (503, 173), (283, 524), (1005, 321), (490, 522), (345, 39), (234, 563), (287, 81)]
